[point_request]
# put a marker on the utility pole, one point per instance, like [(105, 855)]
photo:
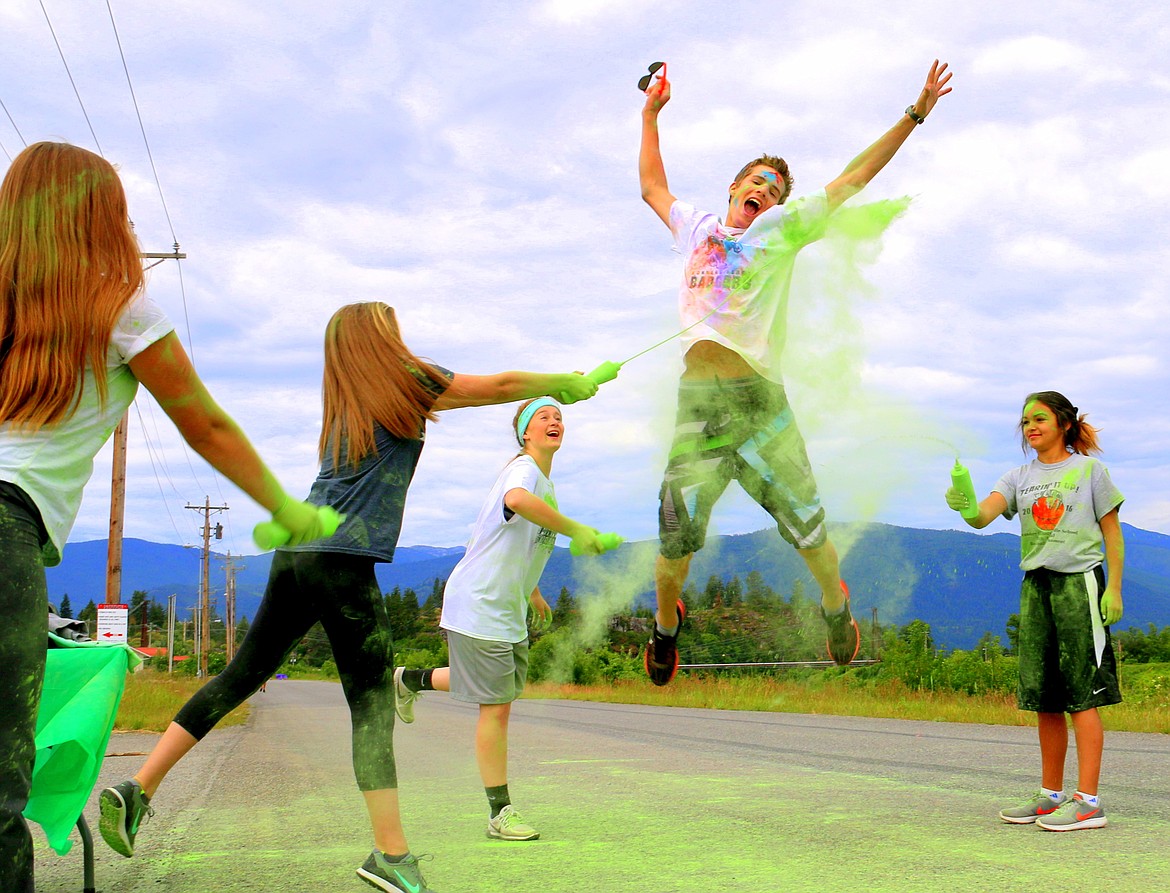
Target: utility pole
[(229, 597), (171, 633), (117, 516), (118, 474), (204, 588)]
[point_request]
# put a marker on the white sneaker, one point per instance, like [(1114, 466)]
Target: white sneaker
[(404, 698), (509, 826)]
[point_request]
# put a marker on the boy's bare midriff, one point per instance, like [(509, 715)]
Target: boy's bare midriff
[(707, 360)]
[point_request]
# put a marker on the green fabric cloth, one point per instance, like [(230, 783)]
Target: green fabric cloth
[(83, 687)]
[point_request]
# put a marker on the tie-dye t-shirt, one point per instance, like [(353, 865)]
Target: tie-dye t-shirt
[(743, 275)]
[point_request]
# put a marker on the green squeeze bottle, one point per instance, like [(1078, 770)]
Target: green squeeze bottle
[(961, 481)]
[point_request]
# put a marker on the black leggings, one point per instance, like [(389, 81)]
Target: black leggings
[(24, 607), (342, 592)]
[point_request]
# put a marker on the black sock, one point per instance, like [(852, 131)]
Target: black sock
[(498, 798), (418, 680), (401, 858)]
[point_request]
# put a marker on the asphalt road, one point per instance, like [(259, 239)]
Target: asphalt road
[(630, 798)]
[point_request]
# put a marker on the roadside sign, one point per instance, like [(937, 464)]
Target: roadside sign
[(113, 622)]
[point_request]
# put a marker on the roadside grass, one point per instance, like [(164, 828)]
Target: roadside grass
[(152, 698), (840, 696)]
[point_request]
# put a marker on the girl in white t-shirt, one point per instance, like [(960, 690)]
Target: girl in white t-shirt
[(485, 603), (77, 335)]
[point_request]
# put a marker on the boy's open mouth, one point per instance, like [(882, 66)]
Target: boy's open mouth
[(752, 204)]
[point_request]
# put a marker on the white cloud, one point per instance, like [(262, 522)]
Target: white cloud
[(1032, 54), (479, 173)]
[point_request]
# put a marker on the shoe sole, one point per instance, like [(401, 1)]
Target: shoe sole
[(1077, 826), (495, 835), (381, 883), (856, 635), (1018, 820), (112, 824), (682, 616)]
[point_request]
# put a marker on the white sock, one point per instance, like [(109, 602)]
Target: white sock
[(1054, 796), (1090, 799)]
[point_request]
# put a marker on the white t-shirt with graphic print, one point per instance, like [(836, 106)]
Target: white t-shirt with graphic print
[(486, 596)]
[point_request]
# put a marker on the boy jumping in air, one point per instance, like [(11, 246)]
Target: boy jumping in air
[(734, 421)]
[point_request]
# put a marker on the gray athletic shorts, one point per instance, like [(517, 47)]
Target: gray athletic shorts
[(1066, 653), (486, 672)]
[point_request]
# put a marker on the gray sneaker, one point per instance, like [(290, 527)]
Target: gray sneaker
[(404, 698), (393, 877), (123, 807), (509, 826), (1074, 815), (1036, 808)]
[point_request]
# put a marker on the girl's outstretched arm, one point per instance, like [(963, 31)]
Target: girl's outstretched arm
[(989, 509), (167, 373), (1111, 606), (531, 508), (506, 387)]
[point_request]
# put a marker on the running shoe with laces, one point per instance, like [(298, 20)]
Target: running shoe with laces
[(1036, 808), (1074, 815), (394, 877), (122, 808), (404, 698), (661, 659), (844, 639), (509, 826)]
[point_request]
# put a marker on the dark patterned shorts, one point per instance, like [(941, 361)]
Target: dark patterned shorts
[(741, 430), (1066, 653)]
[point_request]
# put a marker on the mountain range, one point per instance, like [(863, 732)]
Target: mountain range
[(963, 584)]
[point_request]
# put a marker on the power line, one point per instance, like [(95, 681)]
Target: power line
[(154, 170), (14, 127), (141, 126), (71, 81), (150, 454)]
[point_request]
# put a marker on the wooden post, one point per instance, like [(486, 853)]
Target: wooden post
[(117, 516)]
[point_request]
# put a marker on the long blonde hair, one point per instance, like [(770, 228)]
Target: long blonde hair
[(368, 379), (69, 266)]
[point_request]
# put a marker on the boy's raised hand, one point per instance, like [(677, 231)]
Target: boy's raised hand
[(936, 86), (658, 93)]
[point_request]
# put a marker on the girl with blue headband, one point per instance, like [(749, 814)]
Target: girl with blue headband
[(485, 603)]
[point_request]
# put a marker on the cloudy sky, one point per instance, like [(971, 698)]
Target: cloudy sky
[(474, 165)]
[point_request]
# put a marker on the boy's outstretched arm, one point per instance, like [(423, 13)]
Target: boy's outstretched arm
[(865, 166), (651, 173)]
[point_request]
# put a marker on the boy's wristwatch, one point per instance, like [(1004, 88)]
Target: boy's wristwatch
[(914, 116)]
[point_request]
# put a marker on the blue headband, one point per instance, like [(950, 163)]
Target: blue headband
[(529, 412)]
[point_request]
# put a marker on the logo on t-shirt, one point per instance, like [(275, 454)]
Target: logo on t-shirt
[(1048, 510)]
